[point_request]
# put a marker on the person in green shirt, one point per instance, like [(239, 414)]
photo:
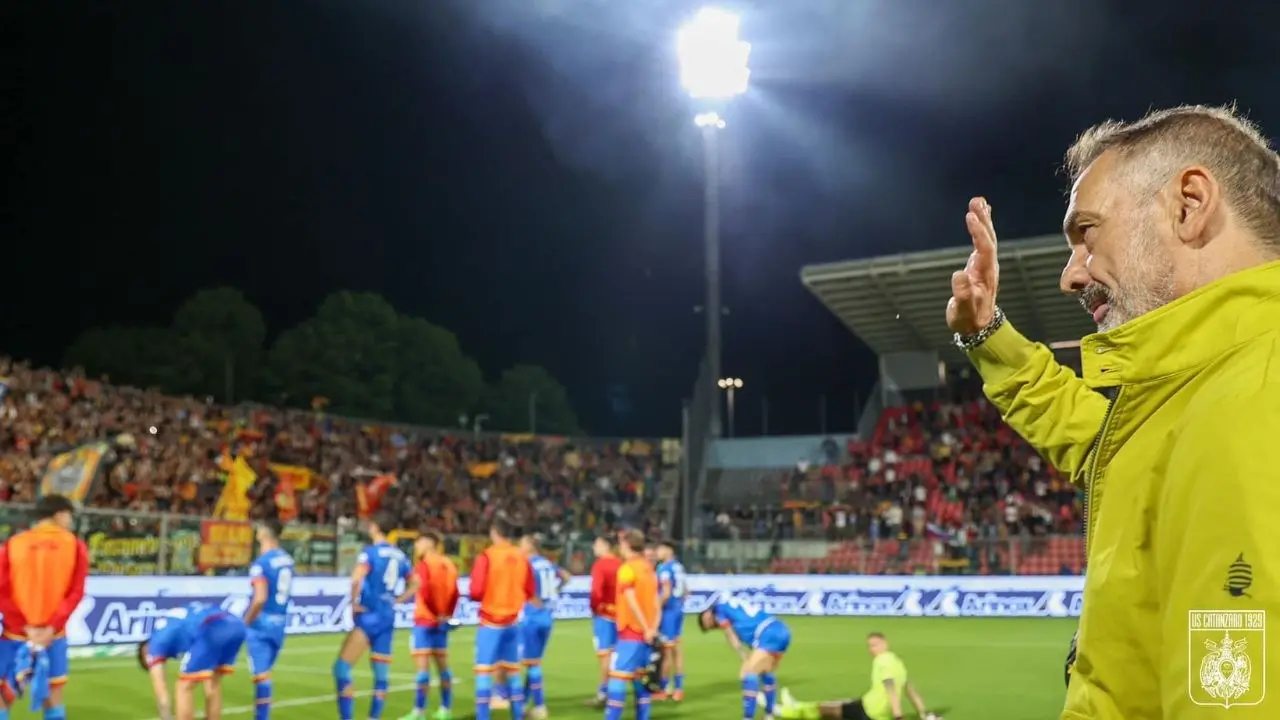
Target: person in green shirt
[(882, 702)]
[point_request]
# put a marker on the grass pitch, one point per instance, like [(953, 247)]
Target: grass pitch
[(993, 669)]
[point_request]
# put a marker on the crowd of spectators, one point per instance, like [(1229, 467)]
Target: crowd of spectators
[(454, 481), (950, 471)]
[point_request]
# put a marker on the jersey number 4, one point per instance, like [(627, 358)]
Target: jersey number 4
[(392, 575)]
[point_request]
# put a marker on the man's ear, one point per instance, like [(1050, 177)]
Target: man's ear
[(1197, 199)]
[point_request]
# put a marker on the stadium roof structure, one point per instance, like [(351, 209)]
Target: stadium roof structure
[(897, 303)]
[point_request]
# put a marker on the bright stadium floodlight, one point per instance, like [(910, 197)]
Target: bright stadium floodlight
[(713, 58), (713, 70)]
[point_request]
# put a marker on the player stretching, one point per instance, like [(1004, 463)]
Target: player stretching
[(746, 625), (882, 702), (502, 582), (535, 629), (637, 628), (42, 574), (604, 591), (208, 639), (268, 614), (672, 588), (379, 568), (437, 600)]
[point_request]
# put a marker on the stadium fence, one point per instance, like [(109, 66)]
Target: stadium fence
[(143, 543)]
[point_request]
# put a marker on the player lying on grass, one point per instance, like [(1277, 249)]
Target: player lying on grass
[(882, 702), (759, 638), (208, 639)]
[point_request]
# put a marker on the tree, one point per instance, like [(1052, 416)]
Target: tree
[(348, 352), (139, 356), (435, 382), (525, 385), (224, 334)]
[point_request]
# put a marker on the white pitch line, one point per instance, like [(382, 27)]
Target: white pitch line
[(302, 702), (298, 669)]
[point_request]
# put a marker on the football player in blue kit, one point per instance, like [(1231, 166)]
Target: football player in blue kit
[(535, 627), (379, 568), (759, 638), (672, 589), (268, 614), (208, 639)]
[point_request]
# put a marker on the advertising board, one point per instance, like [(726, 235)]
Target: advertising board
[(120, 610)]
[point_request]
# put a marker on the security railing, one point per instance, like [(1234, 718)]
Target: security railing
[(140, 543), (123, 542), (1015, 555)]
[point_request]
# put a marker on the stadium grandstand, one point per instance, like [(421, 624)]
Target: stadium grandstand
[(933, 481), (172, 470)]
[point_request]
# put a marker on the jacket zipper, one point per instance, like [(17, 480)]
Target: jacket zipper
[(1112, 394)]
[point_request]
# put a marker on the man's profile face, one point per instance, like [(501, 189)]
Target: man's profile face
[(1122, 254), (600, 548), (664, 553), (65, 520), (876, 645), (527, 547), (706, 620)]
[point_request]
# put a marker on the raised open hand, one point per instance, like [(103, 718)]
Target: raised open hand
[(973, 290)]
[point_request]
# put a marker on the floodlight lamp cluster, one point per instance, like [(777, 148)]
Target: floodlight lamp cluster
[(708, 120), (729, 383), (713, 58)]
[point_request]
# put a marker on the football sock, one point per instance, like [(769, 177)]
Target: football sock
[(515, 694), (57, 712), (769, 681), (801, 711), (346, 694), (644, 701), (420, 699), (750, 689), (262, 698), (381, 681), (617, 699), (446, 689), (679, 682), (537, 697), (484, 690)]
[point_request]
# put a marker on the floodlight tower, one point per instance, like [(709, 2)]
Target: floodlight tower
[(713, 70)]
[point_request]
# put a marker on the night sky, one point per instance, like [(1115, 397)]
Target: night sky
[(526, 173)]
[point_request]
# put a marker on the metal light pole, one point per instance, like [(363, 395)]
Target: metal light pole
[(730, 385), (713, 70)]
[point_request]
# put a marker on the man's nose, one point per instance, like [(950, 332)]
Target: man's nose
[(1075, 276)]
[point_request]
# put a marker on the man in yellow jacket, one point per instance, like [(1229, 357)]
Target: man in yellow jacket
[(1174, 230)]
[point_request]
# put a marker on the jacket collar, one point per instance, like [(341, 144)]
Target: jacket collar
[(1187, 333)]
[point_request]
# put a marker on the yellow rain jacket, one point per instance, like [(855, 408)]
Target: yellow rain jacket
[(1173, 435)]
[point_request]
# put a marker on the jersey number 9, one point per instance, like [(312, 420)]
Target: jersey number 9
[(284, 583)]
